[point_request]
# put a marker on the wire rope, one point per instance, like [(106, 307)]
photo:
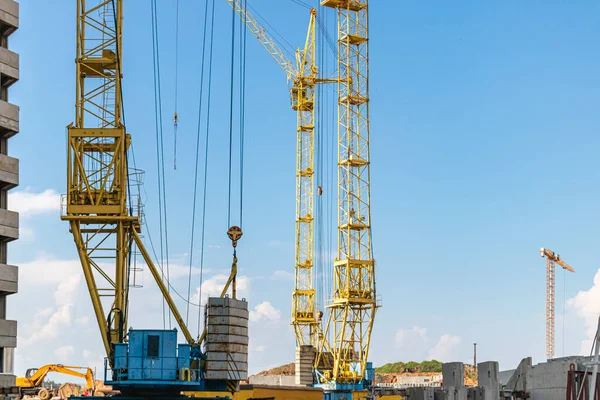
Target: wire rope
[(210, 65), (199, 130), (160, 151), (175, 115)]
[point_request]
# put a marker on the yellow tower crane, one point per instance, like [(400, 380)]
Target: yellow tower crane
[(352, 311), (304, 78), (551, 259), (99, 205)]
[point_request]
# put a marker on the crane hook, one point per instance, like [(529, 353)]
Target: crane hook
[(234, 233)]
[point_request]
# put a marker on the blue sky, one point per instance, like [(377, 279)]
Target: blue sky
[(484, 137)]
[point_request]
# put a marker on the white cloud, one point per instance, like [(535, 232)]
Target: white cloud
[(258, 349), (446, 349), (587, 306), (28, 203), (408, 337), (213, 287), (265, 311), (82, 321), (282, 275), (416, 345), (50, 329), (63, 353)]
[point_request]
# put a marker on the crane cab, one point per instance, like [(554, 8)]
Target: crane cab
[(152, 359), (301, 99)]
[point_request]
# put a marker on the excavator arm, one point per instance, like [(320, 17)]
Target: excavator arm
[(35, 377)]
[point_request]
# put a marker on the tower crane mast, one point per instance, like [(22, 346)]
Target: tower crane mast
[(352, 311), (552, 258)]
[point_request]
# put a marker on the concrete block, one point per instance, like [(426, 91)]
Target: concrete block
[(441, 394), (8, 333), (305, 358), (226, 348), (453, 374), (226, 329), (227, 312), (227, 321), (227, 366), (272, 380), (7, 380), (9, 66), (229, 339), (227, 302), (226, 375), (9, 14), (522, 376), (461, 393), (487, 377), (421, 393), (234, 357), (549, 380), (9, 119), (9, 225), (8, 279), (476, 393), (9, 171)]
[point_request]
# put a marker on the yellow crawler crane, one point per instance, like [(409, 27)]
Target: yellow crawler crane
[(103, 213), (354, 304), (304, 77)]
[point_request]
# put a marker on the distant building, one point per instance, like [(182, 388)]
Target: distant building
[(9, 178)]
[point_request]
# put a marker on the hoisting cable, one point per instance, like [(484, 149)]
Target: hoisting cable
[(175, 116), (243, 33), (235, 232), (189, 293), (231, 86), (210, 65), (160, 152)]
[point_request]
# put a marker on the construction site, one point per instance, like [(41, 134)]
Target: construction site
[(140, 290)]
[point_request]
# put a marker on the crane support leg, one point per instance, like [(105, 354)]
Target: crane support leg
[(163, 288), (91, 283)]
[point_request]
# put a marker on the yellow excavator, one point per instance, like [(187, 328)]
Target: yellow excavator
[(31, 383)]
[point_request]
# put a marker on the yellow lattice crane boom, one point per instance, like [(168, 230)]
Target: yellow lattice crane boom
[(99, 205), (352, 311), (552, 258), (304, 77)]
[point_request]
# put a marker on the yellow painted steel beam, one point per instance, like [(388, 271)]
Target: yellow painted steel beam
[(163, 288)]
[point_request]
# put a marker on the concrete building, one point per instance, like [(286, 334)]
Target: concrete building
[(9, 178)]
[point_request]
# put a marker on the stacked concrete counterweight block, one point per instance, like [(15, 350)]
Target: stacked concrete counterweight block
[(421, 393), (487, 378), (226, 345), (453, 375), (305, 359)]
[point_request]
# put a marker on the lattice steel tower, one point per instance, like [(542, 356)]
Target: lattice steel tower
[(354, 303), (551, 259)]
